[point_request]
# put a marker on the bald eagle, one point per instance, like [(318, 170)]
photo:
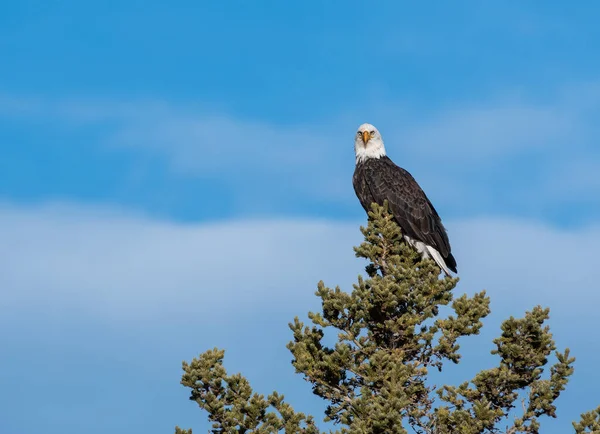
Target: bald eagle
[(377, 178)]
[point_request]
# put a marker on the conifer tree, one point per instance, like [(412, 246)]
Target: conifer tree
[(397, 324)]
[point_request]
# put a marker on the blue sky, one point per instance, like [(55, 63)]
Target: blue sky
[(136, 135)]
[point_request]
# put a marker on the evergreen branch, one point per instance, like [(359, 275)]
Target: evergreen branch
[(231, 403), (588, 423)]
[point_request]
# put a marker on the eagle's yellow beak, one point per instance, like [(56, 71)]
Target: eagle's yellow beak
[(366, 136)]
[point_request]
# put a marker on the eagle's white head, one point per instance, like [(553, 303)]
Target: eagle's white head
[(368, 143)]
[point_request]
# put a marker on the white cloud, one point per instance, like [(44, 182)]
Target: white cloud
[(512, 125), (193, 138), (576, 180), (463, 151), (126, 265), (525, 262), (197, 144), (485, 133), (109, 262)]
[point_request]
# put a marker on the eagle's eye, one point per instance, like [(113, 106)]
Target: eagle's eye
[(372, 133), (358, 133)]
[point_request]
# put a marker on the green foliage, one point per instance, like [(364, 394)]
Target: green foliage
[(231, 403), (390, 333), (589, 423), (523, 348)]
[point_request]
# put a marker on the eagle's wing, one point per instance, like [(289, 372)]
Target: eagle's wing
[(407, 201)]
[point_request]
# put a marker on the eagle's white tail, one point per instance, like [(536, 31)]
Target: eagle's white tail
[(428, 252), (438, 259)]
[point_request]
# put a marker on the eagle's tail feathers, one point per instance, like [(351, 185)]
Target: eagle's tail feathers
[(438, 259)]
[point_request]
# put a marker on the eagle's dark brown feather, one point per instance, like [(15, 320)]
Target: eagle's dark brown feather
[(377, 179)]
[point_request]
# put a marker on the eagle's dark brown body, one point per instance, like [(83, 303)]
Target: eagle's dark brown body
[(377, 179)]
